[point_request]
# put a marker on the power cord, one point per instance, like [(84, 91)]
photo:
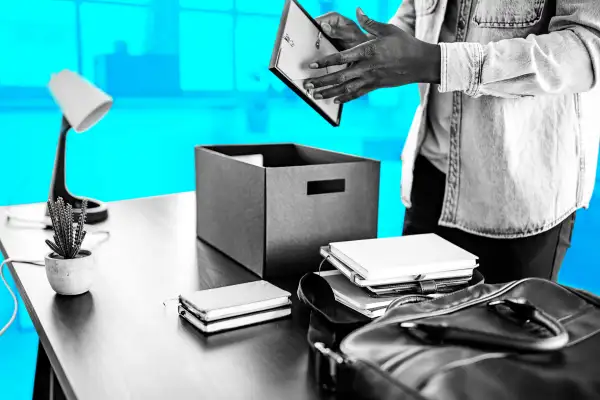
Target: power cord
[(39, 263), (43, 223), (46, 224), (12, 294)]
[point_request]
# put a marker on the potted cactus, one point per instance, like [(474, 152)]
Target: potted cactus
[(70, 269)]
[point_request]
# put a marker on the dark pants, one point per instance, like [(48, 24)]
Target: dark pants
[(500, 260)]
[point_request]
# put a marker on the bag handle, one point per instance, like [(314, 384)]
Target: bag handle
[(521, 309)]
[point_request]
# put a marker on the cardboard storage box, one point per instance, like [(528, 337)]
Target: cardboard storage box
[(271, 207)]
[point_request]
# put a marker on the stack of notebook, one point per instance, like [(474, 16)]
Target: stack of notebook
[(370, 274), (230, 307)]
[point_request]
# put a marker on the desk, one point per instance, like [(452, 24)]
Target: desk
[(119, 342)]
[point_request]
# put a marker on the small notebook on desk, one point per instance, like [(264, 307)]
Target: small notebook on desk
[(389, 258), (233, 322), (246, 300)]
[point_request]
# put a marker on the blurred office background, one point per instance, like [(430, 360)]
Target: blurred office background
[(182, 72)]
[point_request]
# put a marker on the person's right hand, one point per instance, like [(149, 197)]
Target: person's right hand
[(342, 31)]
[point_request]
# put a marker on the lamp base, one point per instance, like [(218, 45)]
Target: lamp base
[(97, 211)]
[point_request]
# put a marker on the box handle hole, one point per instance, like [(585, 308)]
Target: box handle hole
[(328, 186)]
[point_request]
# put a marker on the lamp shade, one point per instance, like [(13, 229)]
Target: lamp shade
[(82, 103)]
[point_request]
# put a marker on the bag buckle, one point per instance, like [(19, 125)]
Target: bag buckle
[(326, 365), (523, 310), (428, 287)]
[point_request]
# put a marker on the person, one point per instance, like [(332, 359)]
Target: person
[(504, 145)]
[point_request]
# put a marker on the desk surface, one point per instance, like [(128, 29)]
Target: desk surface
[(119, 342)]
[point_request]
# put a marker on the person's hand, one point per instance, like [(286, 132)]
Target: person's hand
[(343, 32), (392, 58)]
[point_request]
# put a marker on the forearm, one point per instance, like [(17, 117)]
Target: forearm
[(556, 63), (564, 61), (405, 18)]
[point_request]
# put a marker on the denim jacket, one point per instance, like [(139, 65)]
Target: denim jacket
[(525, 124)]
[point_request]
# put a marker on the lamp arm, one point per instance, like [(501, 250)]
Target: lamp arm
[(58, 185), (97, 211)]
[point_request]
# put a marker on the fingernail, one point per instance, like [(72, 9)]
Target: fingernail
[(326, 27), (318, 96), (313, 65), (360, 11), (336, 101), (309, 86)]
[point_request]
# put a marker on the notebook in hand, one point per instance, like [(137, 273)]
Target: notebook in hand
[(300, 41), (400, 256), (229, 301)]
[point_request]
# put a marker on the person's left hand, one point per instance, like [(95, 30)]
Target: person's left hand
[(392, 58)]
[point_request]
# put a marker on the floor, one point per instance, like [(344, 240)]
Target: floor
[(148, 151)]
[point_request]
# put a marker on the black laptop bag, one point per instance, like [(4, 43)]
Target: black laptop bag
[(528, 339)]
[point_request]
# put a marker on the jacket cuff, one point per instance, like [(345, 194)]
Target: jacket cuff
[(461, 67)]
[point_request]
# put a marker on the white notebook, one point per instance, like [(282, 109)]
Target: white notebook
[(235, 300), (234, 322), (356, 298), (360, 281), (400, 256), (350, 294)]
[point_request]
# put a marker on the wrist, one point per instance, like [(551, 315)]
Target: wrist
[(433, 62)]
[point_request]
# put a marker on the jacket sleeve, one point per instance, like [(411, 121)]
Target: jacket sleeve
[(405, 17), (564, 61)]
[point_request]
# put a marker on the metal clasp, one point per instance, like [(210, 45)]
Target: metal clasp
[(288, 39), (318, 44), (326, 366), (522, 309)]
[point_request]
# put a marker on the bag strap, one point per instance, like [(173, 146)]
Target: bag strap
[(521, 310), (330, 322)]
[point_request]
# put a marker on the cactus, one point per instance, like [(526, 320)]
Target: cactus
[(67, 242)]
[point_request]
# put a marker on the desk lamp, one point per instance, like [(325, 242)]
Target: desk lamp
[(82, 105)]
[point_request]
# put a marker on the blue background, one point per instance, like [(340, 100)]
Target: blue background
[(182, 73)]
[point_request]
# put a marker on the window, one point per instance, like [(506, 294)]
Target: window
[(207, 5), (37, 38), (254, 39), (132, 2), (275, 7), (99, 37), (206, 51)]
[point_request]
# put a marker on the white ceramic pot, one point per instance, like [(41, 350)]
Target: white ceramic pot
[(73, 276)]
